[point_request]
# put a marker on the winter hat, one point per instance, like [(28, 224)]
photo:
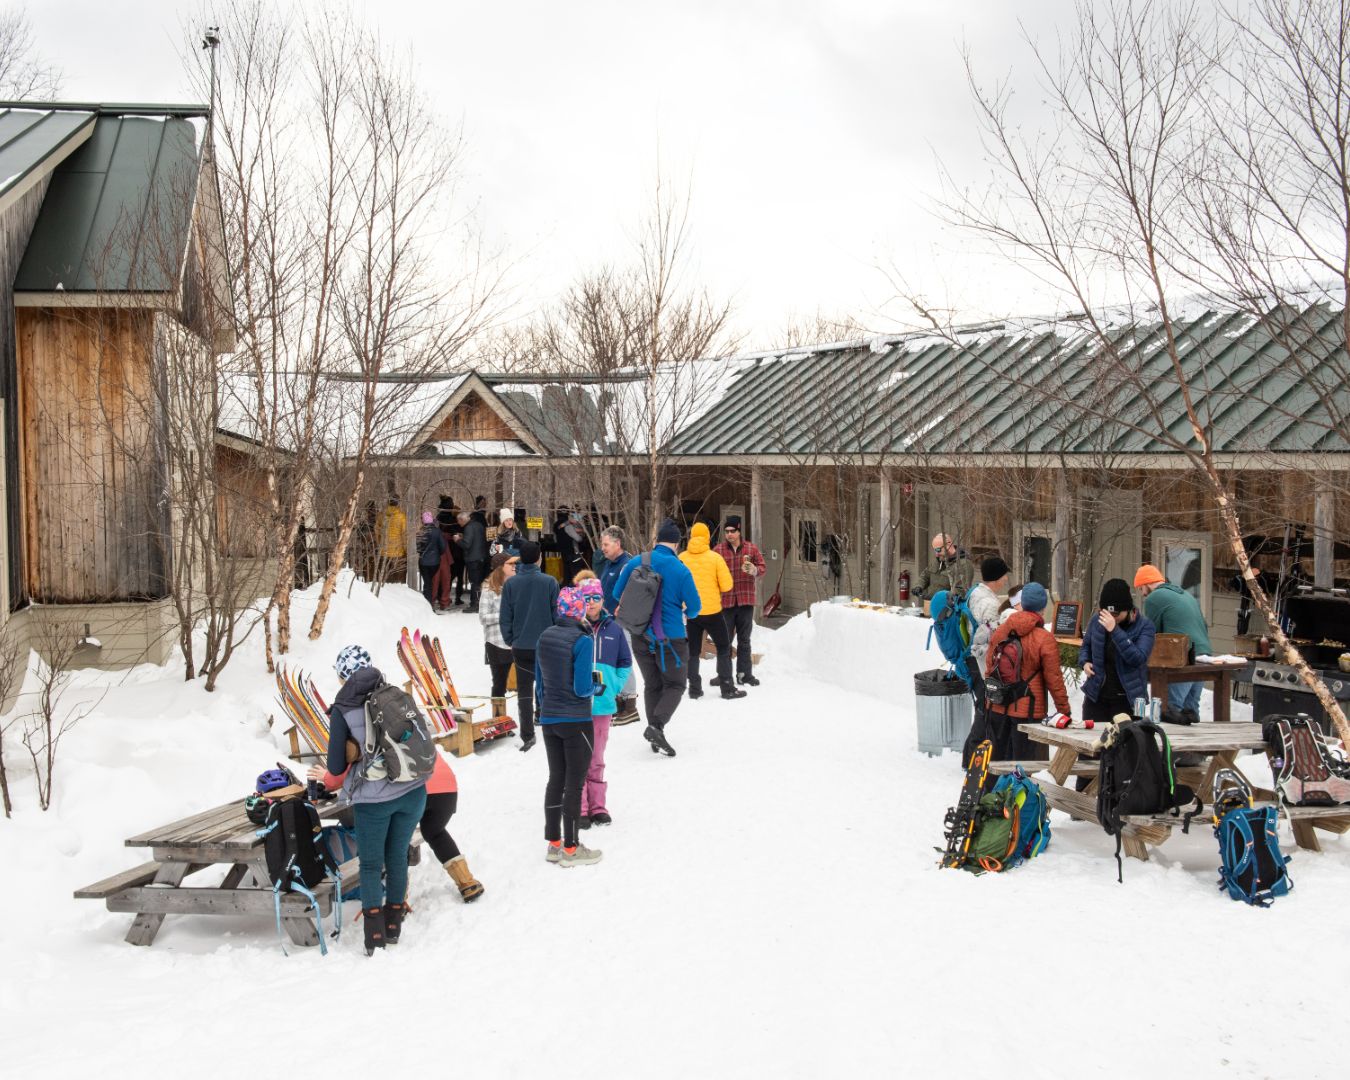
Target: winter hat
[(1034, 596), (1116, 594), (570, 603), (506, 514), (590, 589), (500, 559), (733, 521), (428, 517), (992, 568), (351, 660), (668, 533), (529, 552), (1148, 574)]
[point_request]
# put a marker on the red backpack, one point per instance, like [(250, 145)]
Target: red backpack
[(1004, 683)]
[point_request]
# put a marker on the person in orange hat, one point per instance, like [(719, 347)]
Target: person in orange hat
[(1173, 610)]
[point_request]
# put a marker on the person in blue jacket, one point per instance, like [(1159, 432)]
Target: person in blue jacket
[(564, 683), (608, 565), (664, 659), (527, 610), (1117, 642)]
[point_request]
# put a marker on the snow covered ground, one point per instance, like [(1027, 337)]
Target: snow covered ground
[(768, 905)]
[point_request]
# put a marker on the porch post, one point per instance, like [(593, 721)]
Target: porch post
[(756, 504), (1059, 569), (1324, 539), (887, 541)]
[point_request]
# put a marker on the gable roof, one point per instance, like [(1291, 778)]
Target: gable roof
[(33, 141)]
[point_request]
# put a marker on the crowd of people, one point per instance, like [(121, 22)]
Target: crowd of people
[(573, 649)]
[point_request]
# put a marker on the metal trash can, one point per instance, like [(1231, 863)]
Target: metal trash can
[(944, 709)]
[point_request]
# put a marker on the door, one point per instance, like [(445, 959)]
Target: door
[(1111, 540), (1033, 549), (1187, 561)]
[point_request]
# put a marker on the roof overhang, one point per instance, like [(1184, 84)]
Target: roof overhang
[(472, 383), (43, 154)]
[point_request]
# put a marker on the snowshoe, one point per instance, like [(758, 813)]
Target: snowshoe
[(961, 819)]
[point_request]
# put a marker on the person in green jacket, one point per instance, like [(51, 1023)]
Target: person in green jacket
[(949, 569), (1174, 611)]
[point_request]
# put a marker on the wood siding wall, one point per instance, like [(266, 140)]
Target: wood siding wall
[(89, 474), (472, 419)]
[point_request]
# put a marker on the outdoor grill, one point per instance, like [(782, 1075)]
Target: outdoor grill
[(1318, 622)]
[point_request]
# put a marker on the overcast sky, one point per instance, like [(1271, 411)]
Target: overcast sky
[(808, 132)]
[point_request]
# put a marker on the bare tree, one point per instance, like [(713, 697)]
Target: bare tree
[(24, 75), (57, 647), (11, 676)]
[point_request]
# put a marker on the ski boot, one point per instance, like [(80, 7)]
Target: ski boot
[(374, 926)]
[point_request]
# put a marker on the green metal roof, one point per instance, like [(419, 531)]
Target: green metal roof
[(32, 137), (118, 210)]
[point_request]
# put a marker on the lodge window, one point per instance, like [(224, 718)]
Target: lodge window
[(808, 539), (1186, 560)]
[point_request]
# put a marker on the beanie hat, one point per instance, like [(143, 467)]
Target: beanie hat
[(529, 552), (590, 589), (1116, 594), (668, 533), (1015, 598), (1034, 596), (733, 521), (993, 568), (570, 603), (1148, 574), (506, 514), (428, 517), (351, 660)]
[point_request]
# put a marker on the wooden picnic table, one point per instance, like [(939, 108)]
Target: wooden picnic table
[(221, 836), (1221, 675)]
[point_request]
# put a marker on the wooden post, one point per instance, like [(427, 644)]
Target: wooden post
[(1324, 525), (756, 533), (1059, 570), (887, 542)]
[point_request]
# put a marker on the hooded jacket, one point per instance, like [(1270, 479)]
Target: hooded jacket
[(474, 541), (347, 720), (1133, 644), (946, 573), (679, 594), (608, 570), (712, 576), (1040, 667), (614, 660), (529, 599), (1172, 610)]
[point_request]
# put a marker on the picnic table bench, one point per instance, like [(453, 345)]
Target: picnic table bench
[(1217, 743), (221, 836)]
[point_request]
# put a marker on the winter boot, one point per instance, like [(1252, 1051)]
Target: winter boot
[(526, 744), (374, 924), (601, 818), (747, 680), (580, 855), (730, 693), (695, 689), (627, 711), (716, 680), (657, 738), (470, 888), (393, 922), (584, 822)]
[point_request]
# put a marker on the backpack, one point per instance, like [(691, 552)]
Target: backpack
[(397, 745), (640, 606), (1013, 825), (339, 845), (1251, 866), (953, 626), (1136, 776), (1004, 683), (297, 859), (1307, 771)]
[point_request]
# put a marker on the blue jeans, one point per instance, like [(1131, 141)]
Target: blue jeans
[(383, 832), (1184, 695)]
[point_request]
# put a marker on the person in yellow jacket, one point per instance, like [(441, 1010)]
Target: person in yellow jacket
[(391, 534), (712, 578)]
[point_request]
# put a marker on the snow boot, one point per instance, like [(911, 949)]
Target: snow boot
[(393, 922), (526, 744), (695, 690), (580, 855), (601, 818), (374, 925), (657, 738), (730, 693), (747, 680), (470, 888), (627, 711), (716, 680), (584, 822)]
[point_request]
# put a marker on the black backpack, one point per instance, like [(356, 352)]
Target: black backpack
[(1136, 776), (1004, 683), (641, 595), (398, 746), (297, 858)]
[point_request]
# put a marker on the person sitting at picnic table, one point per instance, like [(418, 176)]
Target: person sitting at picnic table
[(386, 811), (1117, 642), (1040, 669)]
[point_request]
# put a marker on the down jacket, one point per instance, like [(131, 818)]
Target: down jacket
[(1133, 645), (1040, 667), (712, 576)]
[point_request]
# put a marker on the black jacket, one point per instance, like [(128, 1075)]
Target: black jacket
[(529, 606), (430, 546), (474, 541)]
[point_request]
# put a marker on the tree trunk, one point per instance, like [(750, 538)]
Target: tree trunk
[(338, 556)]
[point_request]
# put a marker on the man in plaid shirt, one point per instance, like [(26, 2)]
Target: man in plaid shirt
[(738, 605)]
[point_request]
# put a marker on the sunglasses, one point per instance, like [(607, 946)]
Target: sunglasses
[(731, 528)]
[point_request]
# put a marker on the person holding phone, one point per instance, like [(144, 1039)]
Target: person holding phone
[(1117, 642)]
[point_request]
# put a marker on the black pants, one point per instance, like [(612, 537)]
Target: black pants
[(428, 580), (457, 578), (568, 746), (524, 659), (740, 622), (1104, 710), (499, 662), (1010, 744), (435, 818), (716, 628), (476, 571), (661, 690)]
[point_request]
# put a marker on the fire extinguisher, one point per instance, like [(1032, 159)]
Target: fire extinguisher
[(904, 587)]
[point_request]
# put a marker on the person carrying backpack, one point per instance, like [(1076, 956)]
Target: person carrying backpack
[(712, 577), (662, 658), (613, 666), (386, 811), (1039, 669), (1117, 642), (564, 683), (529, 598), (430, 550)]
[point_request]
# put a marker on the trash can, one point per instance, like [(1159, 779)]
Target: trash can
[(945, 711)]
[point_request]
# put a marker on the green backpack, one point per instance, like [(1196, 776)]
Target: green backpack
[(1012, 825)]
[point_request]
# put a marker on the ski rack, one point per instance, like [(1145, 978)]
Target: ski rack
[(429, 680)]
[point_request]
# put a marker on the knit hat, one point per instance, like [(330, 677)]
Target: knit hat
[(992, 568), (570, 603), (668, 533), (1034, 596), (428, 517), (529, 552), (351, 660), (506, 514), (733, 521), (1148, 574), (1116, 594), (590, 589)]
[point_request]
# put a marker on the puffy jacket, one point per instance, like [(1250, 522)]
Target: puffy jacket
[(391, 530), (1174, 611), (614, 660), (954, 573), (679, 594), (712, 576), (563, 663), (474, 541), (1040, 666), (430, 546), (529, 604), (1133, 645)]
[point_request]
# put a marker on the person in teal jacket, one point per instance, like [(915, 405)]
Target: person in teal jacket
[(613, 666), (1174, 611)]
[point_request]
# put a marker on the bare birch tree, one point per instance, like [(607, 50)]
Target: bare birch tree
[(24, 74)]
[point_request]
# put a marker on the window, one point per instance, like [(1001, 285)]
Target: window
[(808, 538), (1034, 545), (1186, 561)]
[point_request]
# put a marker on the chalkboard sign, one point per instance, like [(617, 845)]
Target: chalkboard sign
[(1068, 616)]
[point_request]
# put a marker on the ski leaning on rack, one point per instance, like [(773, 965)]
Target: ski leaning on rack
[(961, 819), (304, 707), (424, 682)]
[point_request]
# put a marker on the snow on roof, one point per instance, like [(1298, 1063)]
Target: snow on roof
[(480, 448)]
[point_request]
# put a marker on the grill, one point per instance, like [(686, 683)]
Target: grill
[(1318, 622)]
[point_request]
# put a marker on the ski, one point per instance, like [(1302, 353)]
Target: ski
[(313, 727), (433, 699), (445, 673), (961, 818)]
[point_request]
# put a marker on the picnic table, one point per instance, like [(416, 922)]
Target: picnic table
[(1221, 675), (223, 836)]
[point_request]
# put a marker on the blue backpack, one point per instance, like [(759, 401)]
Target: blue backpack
[(1012, 825), (1252, 868), (954, 626)]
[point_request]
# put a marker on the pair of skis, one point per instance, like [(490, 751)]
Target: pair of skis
[(961, 819), (422, 658), (299, 698)]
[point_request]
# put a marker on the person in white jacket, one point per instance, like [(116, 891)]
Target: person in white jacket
[(984, 605)]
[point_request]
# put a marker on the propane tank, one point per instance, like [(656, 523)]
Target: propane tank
[(904, 587)]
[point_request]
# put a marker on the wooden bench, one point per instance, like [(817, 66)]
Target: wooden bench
[(1031, 768), (1303, 820), (127, 879)]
